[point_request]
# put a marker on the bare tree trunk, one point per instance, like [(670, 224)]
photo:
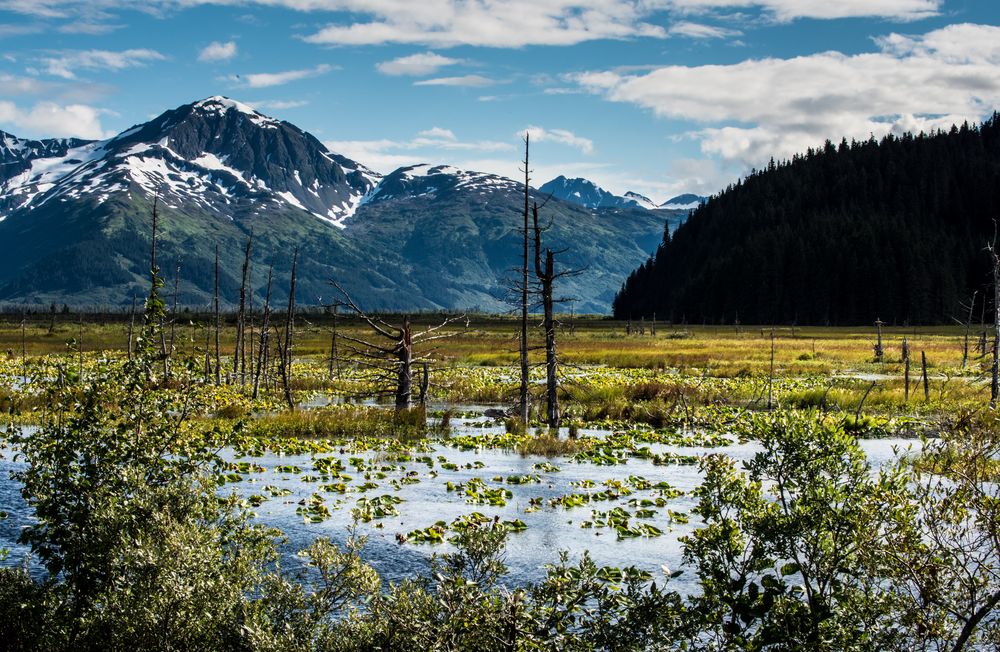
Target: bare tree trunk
[(404, 362), (218, 324), (523, 396), (906, 371), (334, 355), (770, 376), (250, 342), (551, 358), (239, 354), (968, 327), (286, 348), (425, 383), (264, 334), (923, 365), (24, 351), (879, 351), (80, 347), (982, 329), (546, 277)]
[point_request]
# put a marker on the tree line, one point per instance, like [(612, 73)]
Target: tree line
[(891, 229)]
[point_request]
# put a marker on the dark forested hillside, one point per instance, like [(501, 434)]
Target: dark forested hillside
[(892, 229)]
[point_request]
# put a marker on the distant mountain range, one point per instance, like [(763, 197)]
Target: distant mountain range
[(586, 193), (75, 219)]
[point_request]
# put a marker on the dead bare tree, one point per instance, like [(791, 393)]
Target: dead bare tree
[(770, 375), (879, 350), (24, 349), (265, 326), (391, 358), (286, 346), (523, 395), (547, 276), (906, 371), (968, 328), (981, 345), (334, 357), (923, 366), (239, 350)]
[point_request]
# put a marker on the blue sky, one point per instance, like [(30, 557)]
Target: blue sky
[(655, 96)]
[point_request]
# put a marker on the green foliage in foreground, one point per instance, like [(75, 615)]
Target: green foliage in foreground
[(805, 548)]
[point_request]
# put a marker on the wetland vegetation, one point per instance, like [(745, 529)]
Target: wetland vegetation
[(703, 493)]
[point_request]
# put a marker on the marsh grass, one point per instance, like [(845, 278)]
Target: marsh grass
[(549, 444)]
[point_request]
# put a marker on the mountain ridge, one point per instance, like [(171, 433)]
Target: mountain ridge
[(74, 217)]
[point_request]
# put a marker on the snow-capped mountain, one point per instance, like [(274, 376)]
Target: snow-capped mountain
[(218, 154), (685, 202), (587, 193), (430, 180), (583, 192), (75, 219), (641, 201)]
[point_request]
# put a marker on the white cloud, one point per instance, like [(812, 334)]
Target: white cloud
[(66, 63), (471, 81), (216, 51), (49, 120), (88, 27), (700, 31), (490, 23), (561, 136), (498, 23), (788, 10), (62, 91), (416, 65), (385, 155), (778, 107), (268, 79), (438, 133)]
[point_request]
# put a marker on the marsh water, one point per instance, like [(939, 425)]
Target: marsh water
[(425, 500)]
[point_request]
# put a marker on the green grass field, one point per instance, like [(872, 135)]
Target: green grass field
[(607, 375)]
